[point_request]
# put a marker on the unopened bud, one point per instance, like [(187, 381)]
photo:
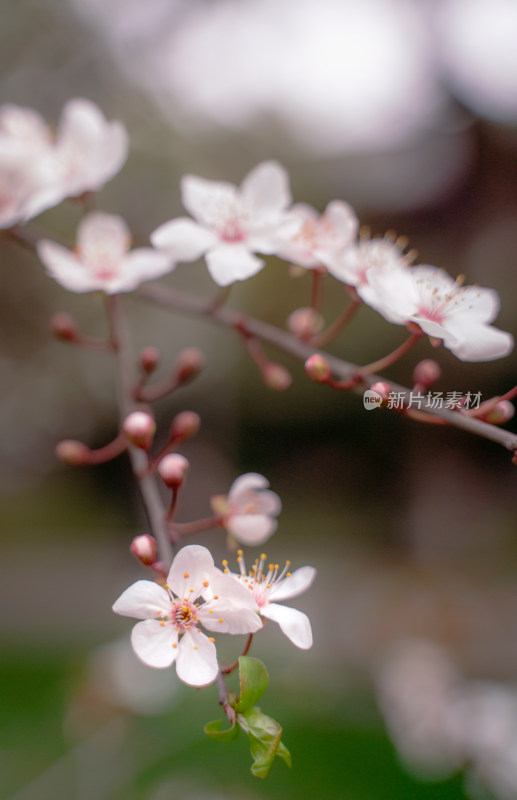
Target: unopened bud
[(305, 323), (64, 327), (185, 425), (500, 413), (145, 548), (73, 452), (149, 358), (140, 428), (276, 377), (172, 469), (317, 368), (189, 364), (383, 389), (426, 373)]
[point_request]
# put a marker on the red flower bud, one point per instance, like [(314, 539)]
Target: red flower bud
[(145, 548), (73, 452), (172, 469), (185, 425), (64, 327), (140, 428), (317, 368), (276, 377)]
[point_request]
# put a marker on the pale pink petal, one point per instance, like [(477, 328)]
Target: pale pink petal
[(192, 566), (102, 237), (295, 624), (477, 342), (232, 262), (154, 643), (249, 482), (295, 584), (251, 529), (343, 221), (209, 202), (23, 129), (65, 267), (144, 264), (483, 304), (197, 659), (265, 190), (183, 238), (272, 239), (143, 600)]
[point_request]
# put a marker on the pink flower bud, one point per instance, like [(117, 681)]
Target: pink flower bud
[(305, 323), (276, 377), (140, 428), (149, 358), (172, 469), (426, 373), (185, 425), (145, 548), (317, 368), (64, 327), (500, 413), (190, 363), (382, 388), (73, 452)]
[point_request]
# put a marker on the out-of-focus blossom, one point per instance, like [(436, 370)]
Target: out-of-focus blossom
[(249, 510), (102, 259), (320, 236), (169, 631), (268, 587), (85, 153), (460, 316), (231, 223)]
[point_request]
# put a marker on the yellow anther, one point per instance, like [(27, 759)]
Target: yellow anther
[(191, 590), (239, 552), (220, 619), (196, 647), (186, 575), (175, 644), (288, 563), (211, 639), (263, 555), (210, 610), (272, 566), (162, 624), (225, 562), (268, 586), (167, 586), (288, 575), (216, 597), (276, 566), (226, 569), (205, 583)]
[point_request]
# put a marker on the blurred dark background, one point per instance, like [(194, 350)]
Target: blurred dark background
[(407, 110)]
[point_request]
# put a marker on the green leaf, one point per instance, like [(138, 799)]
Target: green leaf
[(213, 730), (253, 679), (264, 735)]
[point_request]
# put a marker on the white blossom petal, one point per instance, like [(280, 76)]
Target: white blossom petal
[(251, 529), (143, 264), (300, 580), (192, 566), (65, 267), (295, 624), (183, 238), (154, 643), (249, 482), (196, 664), (265, 190), (232, 262), (476, 342), (208, 201), (103, 236), (143, 600)]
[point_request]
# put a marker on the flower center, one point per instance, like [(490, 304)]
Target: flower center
[(184, 615), (258, 580), (231, 231)]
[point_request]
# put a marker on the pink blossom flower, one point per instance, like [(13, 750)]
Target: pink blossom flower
[(85, 153), (248, 511), (320, 237), (196, 593), (231, 224), (460, 316), (102, 260), (269, 587)]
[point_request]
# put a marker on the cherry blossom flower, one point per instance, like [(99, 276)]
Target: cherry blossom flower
[(231, 224), (268, 587), (169, 631), (355, 266), (102, 260), (320, 237), (85, 153), (20, 181), (248, 511), (460, 316)]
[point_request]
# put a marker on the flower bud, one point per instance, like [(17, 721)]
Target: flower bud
[(64, 327), (71, 451), (305, 323), (500, 413), (426, 373), (382, 388), (276, 377), (140, 428), (189, 364), (145, 548), (317, 368), (149, 358), (185, 425), (172, 469)]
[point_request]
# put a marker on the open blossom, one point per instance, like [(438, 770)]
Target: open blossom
[(102, 259), (84, 154), (320, 237), (231, 224), (268, 587), (196, 593), (249, 510), (458, 315)]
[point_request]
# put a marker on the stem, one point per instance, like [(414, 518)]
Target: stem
[(196, 526), (325, 337), (227, 670), (392, 357), (317, 287), (139, 461)]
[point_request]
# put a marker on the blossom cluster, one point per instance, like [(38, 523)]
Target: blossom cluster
[(230, 226)]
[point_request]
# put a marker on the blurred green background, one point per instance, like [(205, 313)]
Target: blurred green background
[(412, 528)]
